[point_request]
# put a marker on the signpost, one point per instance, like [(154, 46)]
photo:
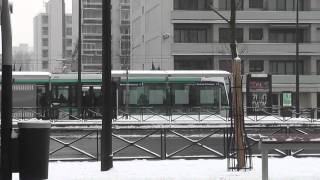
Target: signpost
[(259, 91), (286, 99)]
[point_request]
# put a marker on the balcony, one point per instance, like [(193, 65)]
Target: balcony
[(244, 49), (182, 16)]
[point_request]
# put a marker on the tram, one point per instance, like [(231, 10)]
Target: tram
[(132, 90)]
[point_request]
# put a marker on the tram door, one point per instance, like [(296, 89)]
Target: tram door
[(259, 90)]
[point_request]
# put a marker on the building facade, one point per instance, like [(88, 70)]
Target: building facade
[(22, 58), (187, 34), (53, 38), (91, 33)]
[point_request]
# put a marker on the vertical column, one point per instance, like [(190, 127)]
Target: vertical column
[(6, 93), (107, 113), (264, 159)]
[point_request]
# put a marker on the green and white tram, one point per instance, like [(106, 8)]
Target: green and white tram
[(158, 91)]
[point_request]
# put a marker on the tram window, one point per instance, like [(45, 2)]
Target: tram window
[(208, 96), (137, 96), (155, 93), (61, 95), (156, 96), (224, 99), (275, 101), (181, 96), (180, 93), (42, 99)]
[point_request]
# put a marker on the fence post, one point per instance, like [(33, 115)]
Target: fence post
[(163, 144)]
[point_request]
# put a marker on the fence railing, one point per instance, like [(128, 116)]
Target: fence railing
[(168, 115), (166, 142)]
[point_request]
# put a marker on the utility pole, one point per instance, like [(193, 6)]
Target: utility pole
[(237, 106), (297, 61), (79, 89), (237, 100), (6, 93), (107, 112)]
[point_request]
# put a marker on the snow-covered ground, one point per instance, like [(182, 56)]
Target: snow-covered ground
[(279, 169)]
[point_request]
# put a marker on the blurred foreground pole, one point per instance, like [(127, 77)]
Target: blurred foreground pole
[(6, 93), (107, 113)]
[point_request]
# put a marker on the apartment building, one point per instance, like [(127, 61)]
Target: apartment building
[(53, 37), (91, 32), (187, 34)]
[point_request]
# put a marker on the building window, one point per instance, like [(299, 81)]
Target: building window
[(226, 65), (256, 66), (125, 30), (45, 64), (45, 42), (45, 53), (69, 42), (318, 67), (193, 63), (281, 5), (44, 19), (226, 4), (191, 4), (255, 34), (69, 31), (285, 67), (68, 19), (190, 34), (256, 4), (44, 31), (224, 35), (68, 53), (285, 35), (289, 5)]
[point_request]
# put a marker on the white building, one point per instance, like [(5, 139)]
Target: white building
[(52, 37), (186, 34), (91, 32)]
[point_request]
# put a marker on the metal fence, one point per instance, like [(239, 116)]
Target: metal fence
[(166, 142)]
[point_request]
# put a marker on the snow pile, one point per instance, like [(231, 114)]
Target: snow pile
[(279, 169)]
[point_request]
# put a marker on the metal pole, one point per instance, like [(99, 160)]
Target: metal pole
[(297, 61), (107, 113), (127, 93), (79, 93), (6, 95)]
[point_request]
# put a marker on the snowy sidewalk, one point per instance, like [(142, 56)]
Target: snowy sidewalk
[(279, 169)]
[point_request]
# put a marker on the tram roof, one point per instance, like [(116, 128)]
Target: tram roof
[(29, 73), (197, 73)]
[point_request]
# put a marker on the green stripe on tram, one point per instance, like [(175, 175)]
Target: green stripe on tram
[(30, 81), (98, 81)]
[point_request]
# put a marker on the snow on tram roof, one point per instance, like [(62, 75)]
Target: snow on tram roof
[(174, 72), (29, 73), (136, 73)]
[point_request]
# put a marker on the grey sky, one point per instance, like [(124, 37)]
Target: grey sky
[(22, 19)]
